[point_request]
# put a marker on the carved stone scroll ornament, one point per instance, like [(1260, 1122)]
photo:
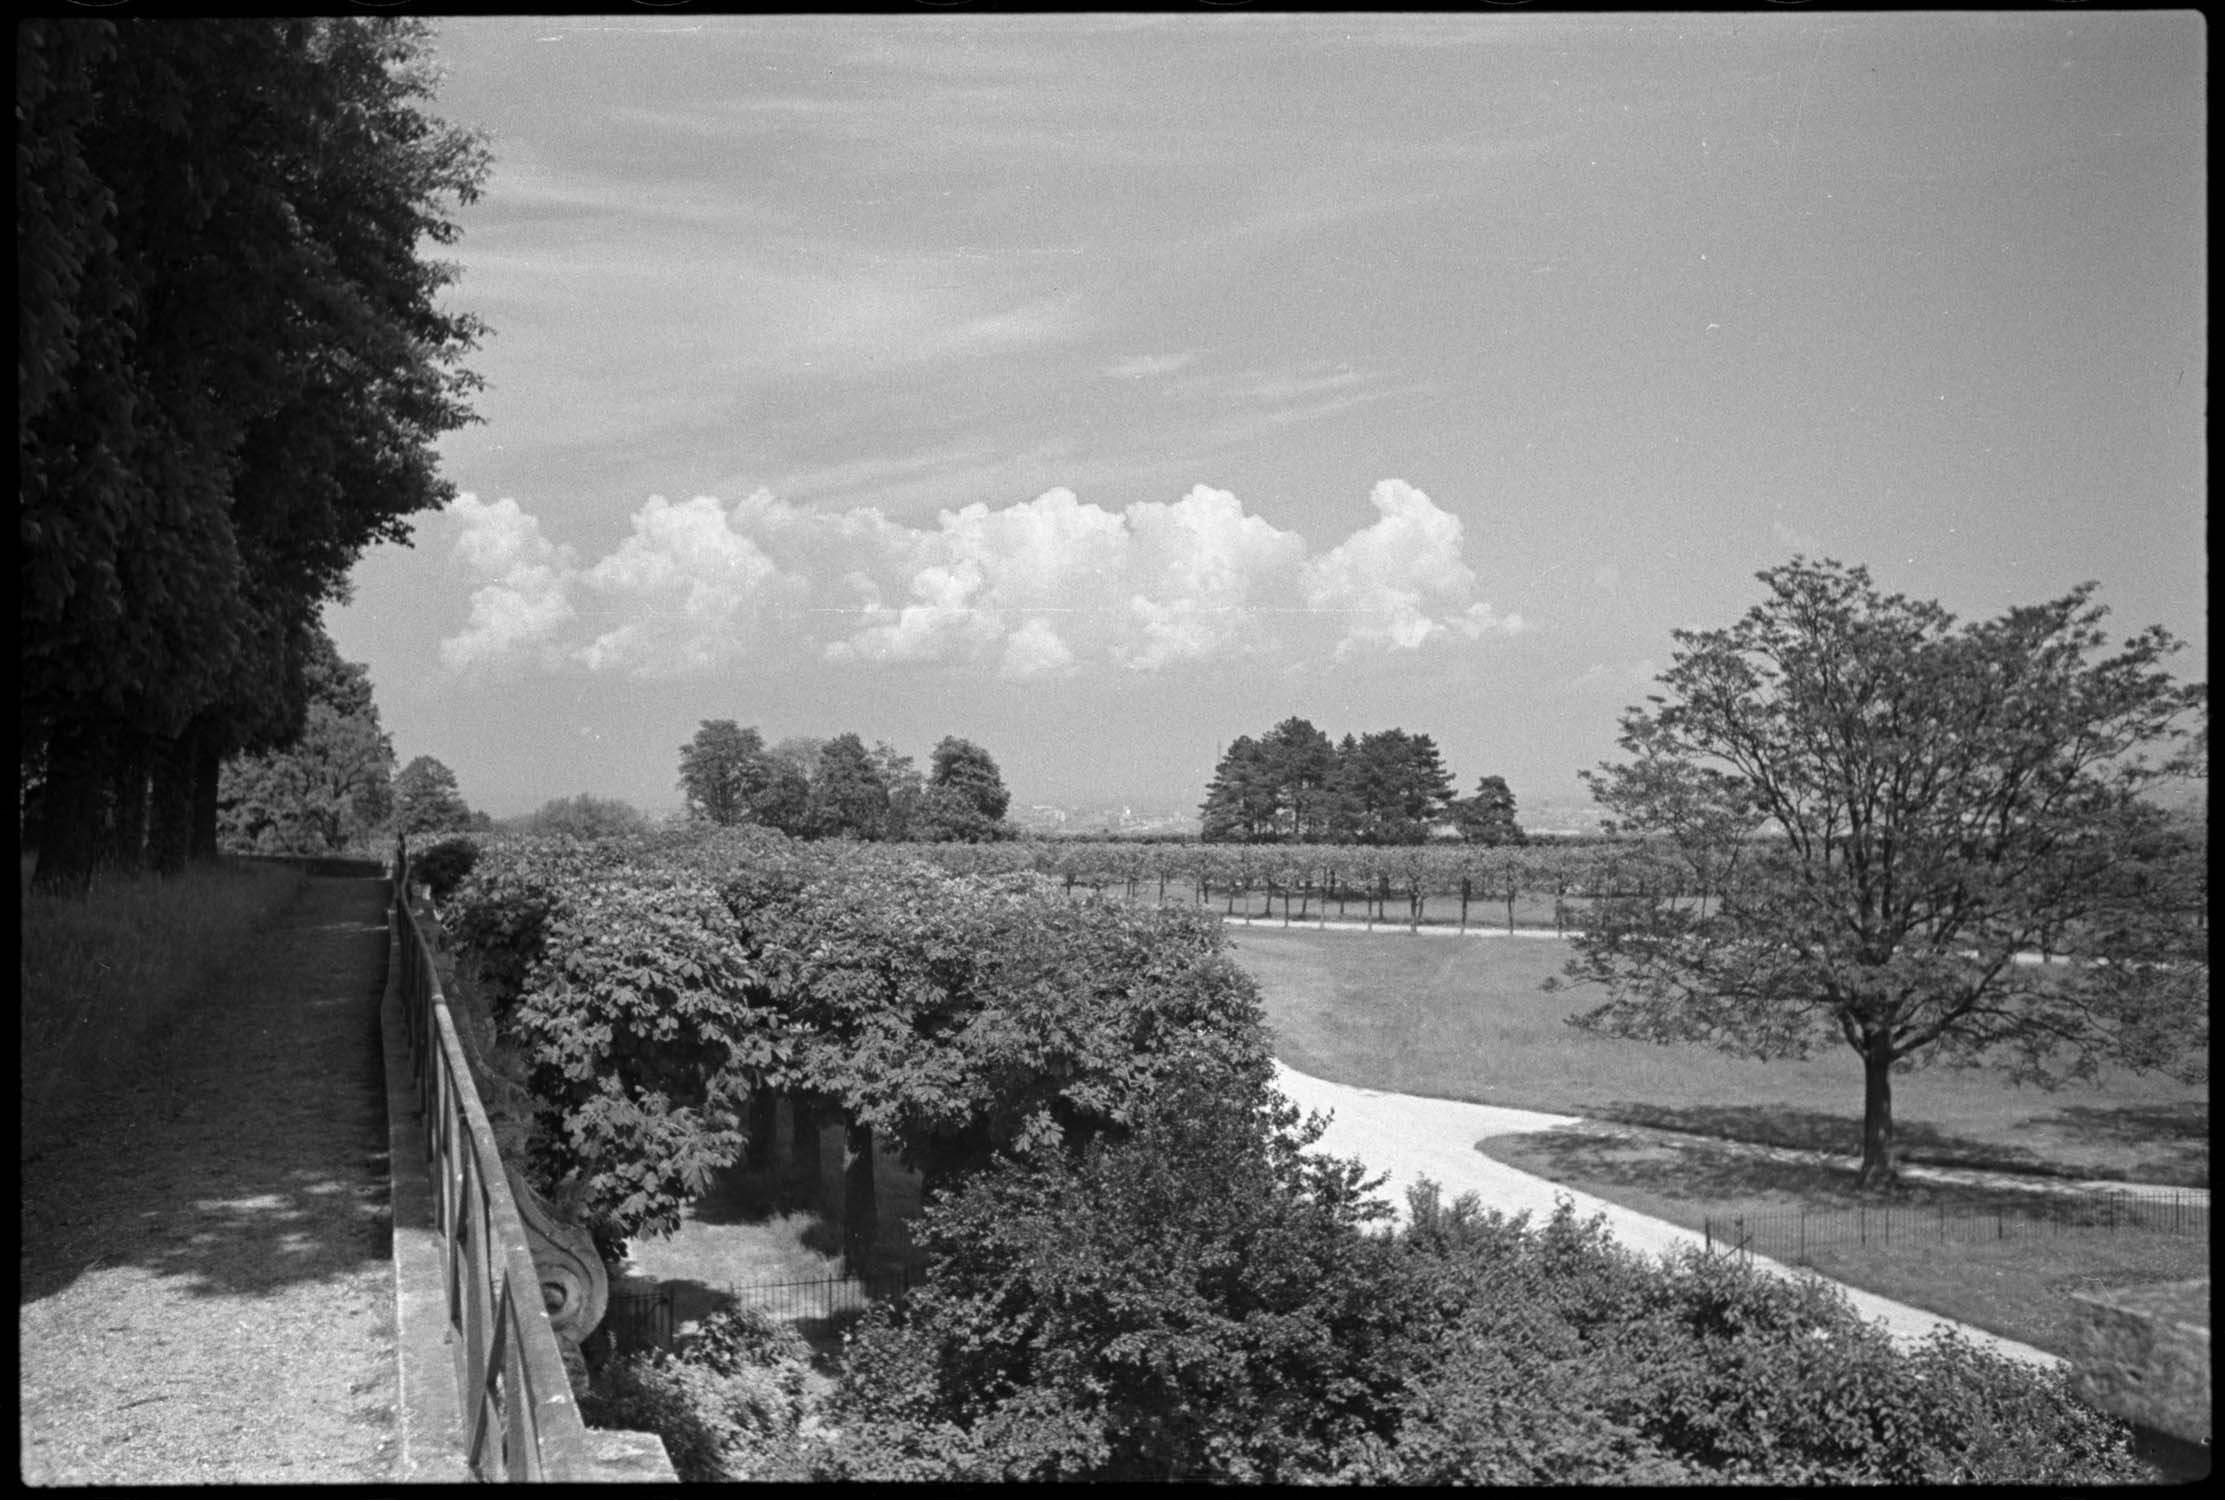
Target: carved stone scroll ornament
[(574, 1286)]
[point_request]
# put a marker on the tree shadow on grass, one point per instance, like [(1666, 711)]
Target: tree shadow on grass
[(1694, 1169), (2176, 1135), (1840, 1135)]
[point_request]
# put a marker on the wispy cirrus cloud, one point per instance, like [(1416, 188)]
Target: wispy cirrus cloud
[(1140, 366)]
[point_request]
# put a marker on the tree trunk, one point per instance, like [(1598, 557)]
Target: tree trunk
[(764, 1121), (170, 806), (70, 830), (127, 800), (208, 763), (1880, 1160), (861, 1220), (804, 1162)]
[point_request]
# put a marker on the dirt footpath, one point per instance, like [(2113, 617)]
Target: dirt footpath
[(207, 1289)]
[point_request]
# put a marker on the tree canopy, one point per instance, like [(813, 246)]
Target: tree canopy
[(965, 797), (714, 770), (426, 799), (1292, 785), (236, 363), (330, 786), (1902, 815), (848, 797)]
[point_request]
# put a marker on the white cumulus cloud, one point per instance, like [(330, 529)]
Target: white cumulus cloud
[(1042, 587), (689, 589), (526, 599), (1401, 581)]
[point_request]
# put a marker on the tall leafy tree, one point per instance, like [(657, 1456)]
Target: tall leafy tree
[(587, 817), (426, 799), (715, 770), (1487, 816), (848, 797), (777, 794), (1241, 800), (1393, 787), (237, 364), (901, 777), (1936, 803), (330, 787), (965, 797), (1301, 766)]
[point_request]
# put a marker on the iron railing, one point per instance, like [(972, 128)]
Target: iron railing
[(521, 1423), (1790, 1235), (826, 1297)]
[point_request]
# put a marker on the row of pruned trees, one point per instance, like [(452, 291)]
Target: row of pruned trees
[(1292, 785), (836, 788), (233, 364)]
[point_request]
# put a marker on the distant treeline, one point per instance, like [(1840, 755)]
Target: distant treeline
[(1292, 785)]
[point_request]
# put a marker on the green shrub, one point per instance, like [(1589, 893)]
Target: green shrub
[(444, 866), (1559, 1357), (728, 1404), (738, 1338)]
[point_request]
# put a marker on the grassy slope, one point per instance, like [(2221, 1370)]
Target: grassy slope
[(98, 973), (1465, 1018)]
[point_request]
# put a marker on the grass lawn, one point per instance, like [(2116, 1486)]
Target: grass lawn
[(2012, 1274), (1466, 1018)]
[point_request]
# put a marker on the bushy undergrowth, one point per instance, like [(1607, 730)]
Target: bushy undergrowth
[(659, 983), (1137, 1269), (728, 1402), (100, 971), (1128, 1318), (443, 866)]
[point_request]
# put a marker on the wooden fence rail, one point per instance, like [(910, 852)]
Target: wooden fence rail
[(521, 1422)]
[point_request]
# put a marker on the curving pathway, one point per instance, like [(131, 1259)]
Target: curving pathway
[(1408, 1137)]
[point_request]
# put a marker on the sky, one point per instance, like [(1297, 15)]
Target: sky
[(1100, 388)]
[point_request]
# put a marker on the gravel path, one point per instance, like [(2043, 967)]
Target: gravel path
[(1410, 1137), (207, 1285)]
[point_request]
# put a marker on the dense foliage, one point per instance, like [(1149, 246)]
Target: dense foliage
[(236, 362), (1386, 787), (1199, 1302), (443, 866), (1192, 1300), (728, 1402), (1942, 802), (584, 817), (427, 799), (837, 789), (328, 789), (1137, 1267), (658, 983)]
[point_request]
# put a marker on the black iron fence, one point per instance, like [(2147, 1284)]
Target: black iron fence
[(826, 1297), (1790, 1236)]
